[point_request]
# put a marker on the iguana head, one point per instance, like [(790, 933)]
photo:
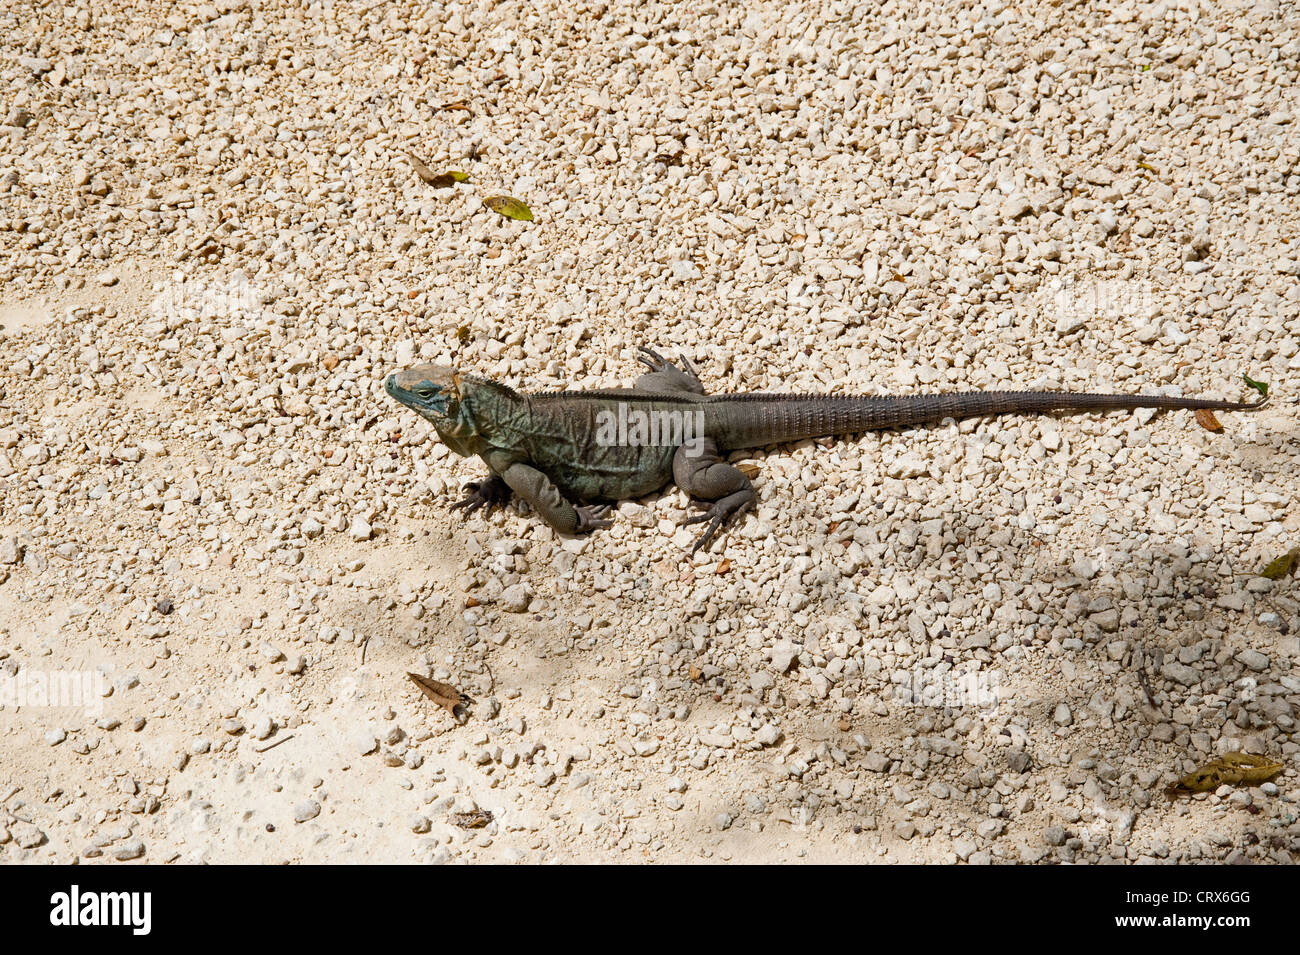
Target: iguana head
[(431, 390), (439, 393)]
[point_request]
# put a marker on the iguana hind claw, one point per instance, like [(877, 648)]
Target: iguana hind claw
[(684, 375), (719, 514)]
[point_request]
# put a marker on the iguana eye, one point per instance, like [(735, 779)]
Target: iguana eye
[(428, 392)]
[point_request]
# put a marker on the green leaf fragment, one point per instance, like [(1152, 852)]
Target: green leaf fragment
[(1280, 567), (1260, 386), (446, 180), (510, 207)]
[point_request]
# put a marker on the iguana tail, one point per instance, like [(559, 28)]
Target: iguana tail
[(757, 420)]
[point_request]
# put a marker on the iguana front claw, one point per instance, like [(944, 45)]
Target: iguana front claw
[(592, 518), (486, 494)]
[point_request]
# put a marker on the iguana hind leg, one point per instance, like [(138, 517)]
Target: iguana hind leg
[(723, 490), (665, 376)]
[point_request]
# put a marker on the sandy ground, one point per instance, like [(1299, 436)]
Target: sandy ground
[(223, 548)]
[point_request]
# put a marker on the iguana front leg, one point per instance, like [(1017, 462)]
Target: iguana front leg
[(536, 488), (489, 493)]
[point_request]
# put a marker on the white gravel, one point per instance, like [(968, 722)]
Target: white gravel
[(922, 646)]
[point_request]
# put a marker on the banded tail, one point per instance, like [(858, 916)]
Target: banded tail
[(757, 420)]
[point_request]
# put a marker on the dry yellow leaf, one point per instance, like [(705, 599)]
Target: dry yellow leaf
[(510, 207), (1231, 769)]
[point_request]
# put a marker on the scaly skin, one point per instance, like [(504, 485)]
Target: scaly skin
[(555, 450)]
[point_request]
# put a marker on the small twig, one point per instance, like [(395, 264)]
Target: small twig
[(364, 643), (282, 739), (12, 793), (1142, 681)]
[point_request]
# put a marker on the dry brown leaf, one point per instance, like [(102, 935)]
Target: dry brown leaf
[(448, 697), (445, 180), (696, 673), (749, 470), (723, 566), (439, 180), (471, 820), (421, 170), (459, 105), (471, 602), (1232, 769), (1206, 419), (330, 362)]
